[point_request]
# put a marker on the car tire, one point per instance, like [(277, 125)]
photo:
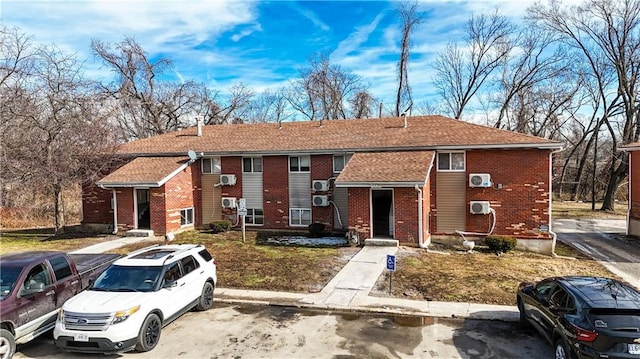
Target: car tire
[(7, 344), (149, 335), (562, 350), (206, 298)]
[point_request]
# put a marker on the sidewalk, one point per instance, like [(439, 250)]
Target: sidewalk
[(348, 291)]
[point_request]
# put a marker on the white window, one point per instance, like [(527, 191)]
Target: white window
[(299, 164), (451, 161), (211, 165), (299, 216), (252, 164), (339, 161), (255, 216), (186, 216)]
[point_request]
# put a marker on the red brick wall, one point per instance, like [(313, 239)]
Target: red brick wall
[(178, 195), (126, 212), (359, 210), (522, 204), (96, 205), (634, 175), (275, 184), (406, 214), (158, 210), (232, 166), (322, 169)]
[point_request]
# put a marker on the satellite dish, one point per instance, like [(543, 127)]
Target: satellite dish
[(192, 155)]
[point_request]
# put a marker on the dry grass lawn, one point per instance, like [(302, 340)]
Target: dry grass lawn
[(479, 277)]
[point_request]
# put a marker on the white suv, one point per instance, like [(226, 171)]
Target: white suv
[(135, 297)]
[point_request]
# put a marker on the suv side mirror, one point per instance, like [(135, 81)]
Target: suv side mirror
[(170, 283)]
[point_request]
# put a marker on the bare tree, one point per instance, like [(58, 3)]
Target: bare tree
[(363, 104), (410, 19), (461, 72), (268, 106), (60, 137), (606, 34), (322, 90), (147, 105)]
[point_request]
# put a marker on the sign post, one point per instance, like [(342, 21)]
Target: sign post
[(242, 212), (391, 266)]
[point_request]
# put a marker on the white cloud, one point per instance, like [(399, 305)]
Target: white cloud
[(355, 40), (313, 17)]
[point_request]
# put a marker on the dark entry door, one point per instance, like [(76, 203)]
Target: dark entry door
[(143, 210), (382, 206)]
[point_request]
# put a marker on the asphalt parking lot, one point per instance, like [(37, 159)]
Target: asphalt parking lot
[(250, 331)]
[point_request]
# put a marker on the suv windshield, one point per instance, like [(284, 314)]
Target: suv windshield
[(128, 279)]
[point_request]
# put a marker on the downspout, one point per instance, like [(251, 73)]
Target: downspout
[(554, 236), (420, 241), (115, 210), (629, 158)]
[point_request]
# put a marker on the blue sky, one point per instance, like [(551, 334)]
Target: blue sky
[(262, 44)]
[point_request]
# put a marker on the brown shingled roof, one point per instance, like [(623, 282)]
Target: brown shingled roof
[(144, 171), (422, 132), (366, 168)]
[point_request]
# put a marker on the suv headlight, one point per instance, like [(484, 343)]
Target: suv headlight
[(122, 315)]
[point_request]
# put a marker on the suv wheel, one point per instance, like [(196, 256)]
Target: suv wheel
[(562, 351), (7, 344), (149, 335), (206, 298)]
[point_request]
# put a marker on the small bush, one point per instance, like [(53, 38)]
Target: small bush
[(500, 244), (220, 226), (316, 230)]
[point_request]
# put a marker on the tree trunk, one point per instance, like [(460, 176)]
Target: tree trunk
[(58, 209), (617, 176)]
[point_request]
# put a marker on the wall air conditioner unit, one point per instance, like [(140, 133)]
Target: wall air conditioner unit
[(320, 185), (228, 180), (229, 202), (479, 207), (479, 180), (321, 200)]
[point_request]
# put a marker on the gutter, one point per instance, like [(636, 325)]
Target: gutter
[(324, 151)]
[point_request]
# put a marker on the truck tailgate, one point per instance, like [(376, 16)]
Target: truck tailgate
[(90, 266)]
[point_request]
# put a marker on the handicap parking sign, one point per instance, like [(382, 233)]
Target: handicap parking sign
[(391, 262)]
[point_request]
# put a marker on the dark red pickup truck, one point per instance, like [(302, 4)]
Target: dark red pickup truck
[(34, 285)]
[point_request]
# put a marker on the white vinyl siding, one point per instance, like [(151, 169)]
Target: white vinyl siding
[(341, 199), (300, 190), (252, 189), (451, 202)]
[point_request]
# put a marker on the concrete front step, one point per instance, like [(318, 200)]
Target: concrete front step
[(139, 233), (381, 242)]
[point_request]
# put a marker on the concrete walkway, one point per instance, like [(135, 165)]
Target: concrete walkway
[(347, 291)]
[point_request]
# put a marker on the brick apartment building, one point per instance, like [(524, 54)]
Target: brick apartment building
[(411, 179), (633, 216)]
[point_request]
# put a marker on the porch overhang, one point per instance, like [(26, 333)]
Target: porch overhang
[(145, 172), (386, 169)]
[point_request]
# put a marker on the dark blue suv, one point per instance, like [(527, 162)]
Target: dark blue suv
[(584, 317)]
